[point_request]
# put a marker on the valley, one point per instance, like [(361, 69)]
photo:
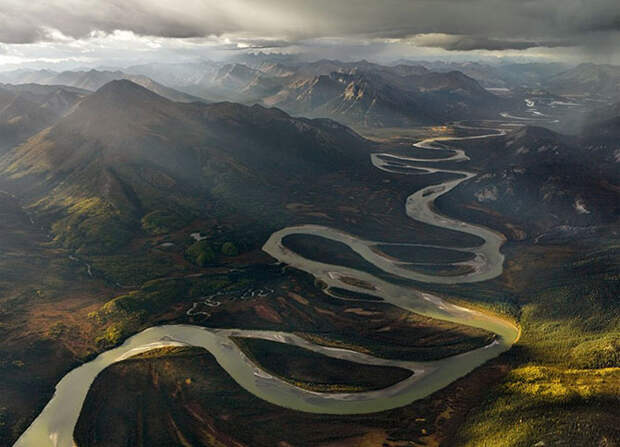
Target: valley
[(226, 265)]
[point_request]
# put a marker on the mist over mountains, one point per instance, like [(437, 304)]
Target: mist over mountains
[(104, 160), (356, 93)]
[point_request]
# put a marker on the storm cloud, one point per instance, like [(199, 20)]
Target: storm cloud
[(453, 25), (453, 42)]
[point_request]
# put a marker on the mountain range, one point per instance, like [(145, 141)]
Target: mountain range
[(587, 79), (28, 108), (544, 182), (125, 152), (92, 80), (96, 164), (361, 94)]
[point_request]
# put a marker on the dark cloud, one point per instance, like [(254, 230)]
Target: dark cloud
[(469, 43), (11, 32), (610, 23), (477, 24)]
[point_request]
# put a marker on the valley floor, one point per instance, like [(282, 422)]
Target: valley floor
[(559, 385)]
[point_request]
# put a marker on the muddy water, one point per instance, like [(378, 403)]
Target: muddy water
[(54, 426)]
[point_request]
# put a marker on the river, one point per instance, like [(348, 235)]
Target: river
[(55, 424)]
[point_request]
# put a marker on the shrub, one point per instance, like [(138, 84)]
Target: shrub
[(229, 249), (162, 221), (600, 353), (201, 253)]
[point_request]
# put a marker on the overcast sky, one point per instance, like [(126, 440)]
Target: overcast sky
[(118, 32)]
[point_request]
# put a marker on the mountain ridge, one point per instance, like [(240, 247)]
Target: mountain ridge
[(126, 151)]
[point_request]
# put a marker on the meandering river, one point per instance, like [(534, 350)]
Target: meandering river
[(55, 424)]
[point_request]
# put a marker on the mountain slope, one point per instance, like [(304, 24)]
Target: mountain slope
[(602, 126), (126, 152), (587, 79), (357, 93), (543, 182), (28, 108), (388, 97)]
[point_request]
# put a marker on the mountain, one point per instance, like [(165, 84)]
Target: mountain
[(236, 82), (162, 90), (255, 59), (487, 75), (328, 66), (357, 93), (28, 108), (234, 76), (275, 69), (397, 97), (93, 79), (355, 99), (26, 76), (532, 74), (176, 75), (125, 153), (587, 79), (542, 182), (505, 75), (602, 126)]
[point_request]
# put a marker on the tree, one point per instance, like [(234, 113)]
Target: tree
[(201, 253), (229, 249)]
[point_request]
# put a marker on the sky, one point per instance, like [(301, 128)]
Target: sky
[(71, 33)]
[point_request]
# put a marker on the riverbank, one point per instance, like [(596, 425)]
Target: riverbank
[(427, 378)]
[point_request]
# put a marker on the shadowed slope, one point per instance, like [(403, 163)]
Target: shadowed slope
[(125, 151)]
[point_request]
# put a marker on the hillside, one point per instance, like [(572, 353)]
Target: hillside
[(28, 108), (602, 126), (587, 79), (126, 152), (397, 97), (547, 184)]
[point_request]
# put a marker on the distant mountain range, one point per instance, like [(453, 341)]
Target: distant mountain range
[(587, 79), (359, 94), (594, 80), (362, 93), (499, 75), (92, 80)]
